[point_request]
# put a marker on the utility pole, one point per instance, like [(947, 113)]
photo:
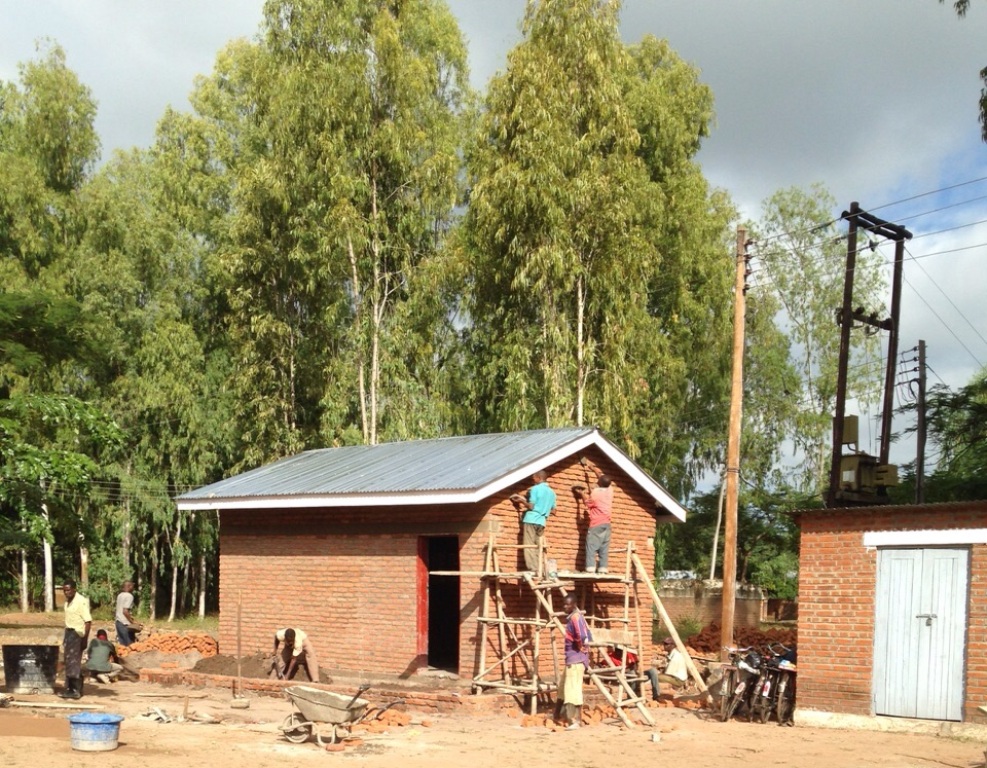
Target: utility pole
[(920, 431), (861, 219), (733, 447)]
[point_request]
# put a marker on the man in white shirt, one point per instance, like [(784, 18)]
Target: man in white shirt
[(297, 652), (675, 673)]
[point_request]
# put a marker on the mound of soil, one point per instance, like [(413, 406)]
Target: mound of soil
[(256, 666), (708, 640)]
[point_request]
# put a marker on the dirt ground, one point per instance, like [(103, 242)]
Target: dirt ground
[(258, 665), (682, 738), (29, 737)]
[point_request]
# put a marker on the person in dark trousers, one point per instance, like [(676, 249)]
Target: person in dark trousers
[(599, 509), (123, 618), (78, 622), (535, 508)]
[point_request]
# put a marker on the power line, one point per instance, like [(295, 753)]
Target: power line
[(946, 296), (944, 323)]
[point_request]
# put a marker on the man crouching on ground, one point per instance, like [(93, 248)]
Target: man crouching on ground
[(297, 652)]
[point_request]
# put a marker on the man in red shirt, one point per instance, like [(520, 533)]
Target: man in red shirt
[(599, 507)]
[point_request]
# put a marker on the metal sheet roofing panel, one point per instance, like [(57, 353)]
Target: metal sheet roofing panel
[(444, 464)]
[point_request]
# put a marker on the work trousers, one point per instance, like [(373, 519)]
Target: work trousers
[(123, 634), (597, 542), (533, 534), (72, 648)]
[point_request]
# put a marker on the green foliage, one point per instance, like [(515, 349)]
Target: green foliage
[(802, 260), (956, 424), (596, 251), (767, 540)]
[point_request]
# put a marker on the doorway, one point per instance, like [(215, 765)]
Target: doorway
[(441, 609), (919, 632)]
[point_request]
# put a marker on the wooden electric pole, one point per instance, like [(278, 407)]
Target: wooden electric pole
[(920, 430), (732, 479)]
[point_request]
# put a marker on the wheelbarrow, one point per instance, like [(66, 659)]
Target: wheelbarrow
[(315, 708)]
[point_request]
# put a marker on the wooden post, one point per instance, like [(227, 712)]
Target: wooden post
[(920, 434), (239, 649), (733, 447), (666, 619)]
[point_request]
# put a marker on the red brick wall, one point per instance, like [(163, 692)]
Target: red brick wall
[(348, 576), (837, 583)]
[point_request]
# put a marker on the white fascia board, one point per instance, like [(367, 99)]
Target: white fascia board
[(335, 500), (926, 538), (521, 474)]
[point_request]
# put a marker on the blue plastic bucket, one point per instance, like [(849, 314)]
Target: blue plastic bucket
[(94, 732)]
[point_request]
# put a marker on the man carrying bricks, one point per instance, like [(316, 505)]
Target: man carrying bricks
[(297, 651), (537, 507), (577, 640)]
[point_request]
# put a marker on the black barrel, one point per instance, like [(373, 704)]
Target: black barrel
[(30, 668)]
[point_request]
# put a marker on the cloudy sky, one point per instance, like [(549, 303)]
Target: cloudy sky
[(876, 100)]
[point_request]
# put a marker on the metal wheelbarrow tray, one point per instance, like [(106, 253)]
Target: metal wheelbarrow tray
[(315, 707)]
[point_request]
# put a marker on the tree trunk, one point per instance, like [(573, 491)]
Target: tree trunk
[(153, 607), (202, 586), (49, 568), (84, 567), (360, 362), (25, 601), (377, 314), (125, 537), (580, 350), (174, 568)]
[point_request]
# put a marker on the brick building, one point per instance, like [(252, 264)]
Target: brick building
[(893, 611), (340, 541)]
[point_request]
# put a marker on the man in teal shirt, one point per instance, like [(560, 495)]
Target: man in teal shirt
[(539, 505)]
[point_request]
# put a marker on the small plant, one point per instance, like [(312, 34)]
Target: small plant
[(685, 626)]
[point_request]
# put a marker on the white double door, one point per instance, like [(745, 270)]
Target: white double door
[(919, 633)]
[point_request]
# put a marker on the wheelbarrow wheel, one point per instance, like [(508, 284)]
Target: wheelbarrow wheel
[(322, 740), (295, 729)]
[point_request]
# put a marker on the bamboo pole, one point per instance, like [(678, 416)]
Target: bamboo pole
[(673, 633)]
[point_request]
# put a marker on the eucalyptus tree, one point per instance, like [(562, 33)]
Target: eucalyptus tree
[(336, 135), (801, 257), (600, 260)]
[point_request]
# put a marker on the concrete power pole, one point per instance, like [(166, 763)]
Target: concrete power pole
[(920, 430), (732, 479)]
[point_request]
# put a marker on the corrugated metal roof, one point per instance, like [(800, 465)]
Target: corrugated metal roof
[(445, 464)]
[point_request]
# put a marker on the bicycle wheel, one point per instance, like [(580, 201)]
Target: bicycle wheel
[(764, 692), (786, 702), (727, 684), (735, 700)]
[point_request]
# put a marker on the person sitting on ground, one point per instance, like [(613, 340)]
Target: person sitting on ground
[(676, 674), (616, 655), (297, 652), (599, 507), (103, 662)]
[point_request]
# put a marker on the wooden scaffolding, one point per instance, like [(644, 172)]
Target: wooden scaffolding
[(519, 642)]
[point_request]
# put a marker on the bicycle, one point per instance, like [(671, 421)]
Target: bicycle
[(738, 680), (774, 691)]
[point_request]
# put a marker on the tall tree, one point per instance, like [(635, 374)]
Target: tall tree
[(338, 137), (599, 262), (802, 262)]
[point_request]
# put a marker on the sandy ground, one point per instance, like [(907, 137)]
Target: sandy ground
[(30, 737), (685, 739)]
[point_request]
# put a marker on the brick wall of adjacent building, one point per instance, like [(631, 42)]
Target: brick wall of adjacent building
[(702, 603), (837, 585), (349, 577)]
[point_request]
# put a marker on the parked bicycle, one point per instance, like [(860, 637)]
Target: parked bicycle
[(774, 690), (738, 681)]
